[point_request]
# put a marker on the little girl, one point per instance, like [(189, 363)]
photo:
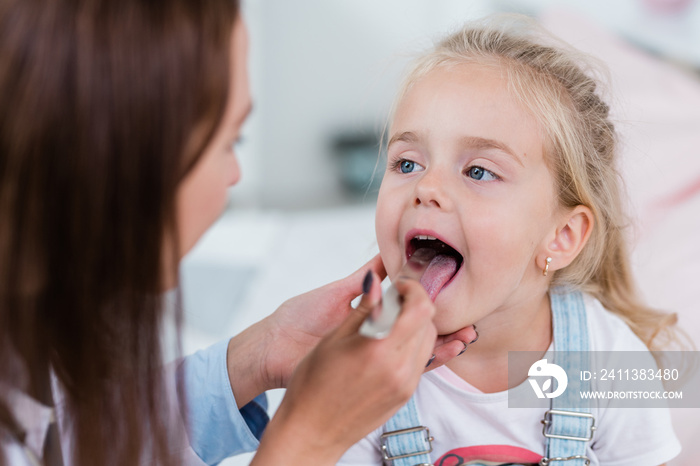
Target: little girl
[(502, 154)]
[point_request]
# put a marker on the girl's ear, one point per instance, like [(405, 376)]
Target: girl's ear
[(571, 235)]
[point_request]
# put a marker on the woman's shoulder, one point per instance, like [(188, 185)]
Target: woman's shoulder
[(608, 331)]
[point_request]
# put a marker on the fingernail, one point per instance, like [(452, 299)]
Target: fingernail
[(465, 348), (431, 361), (367, 283), (475, 339)]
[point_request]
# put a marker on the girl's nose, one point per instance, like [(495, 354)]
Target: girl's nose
[(431, 191)]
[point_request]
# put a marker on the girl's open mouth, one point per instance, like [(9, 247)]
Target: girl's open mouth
[(443, 267)]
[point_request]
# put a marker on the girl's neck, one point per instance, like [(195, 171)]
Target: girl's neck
[(525, 327)]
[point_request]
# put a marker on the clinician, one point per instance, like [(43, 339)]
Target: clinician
[(117, 129)]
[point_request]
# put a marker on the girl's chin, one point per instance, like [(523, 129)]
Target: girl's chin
[(449, 321)]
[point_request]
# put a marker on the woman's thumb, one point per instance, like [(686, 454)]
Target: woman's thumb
[(370, 301)]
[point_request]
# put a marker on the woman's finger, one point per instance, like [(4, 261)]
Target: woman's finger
[(450, 346), (466, 334), (445, 353), (371, 299), (414, 330), (416, 308)]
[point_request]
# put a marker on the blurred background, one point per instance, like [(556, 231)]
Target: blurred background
[(323, 76)]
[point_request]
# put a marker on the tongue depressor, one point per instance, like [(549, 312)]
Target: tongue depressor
[(380, 320)]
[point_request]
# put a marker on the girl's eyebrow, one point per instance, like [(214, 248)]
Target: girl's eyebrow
[(475, 142), (406, 136)]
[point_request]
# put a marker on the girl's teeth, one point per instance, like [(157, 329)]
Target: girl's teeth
[(424, 237)]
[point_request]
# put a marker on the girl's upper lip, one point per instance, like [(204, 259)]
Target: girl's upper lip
[(413, 232)]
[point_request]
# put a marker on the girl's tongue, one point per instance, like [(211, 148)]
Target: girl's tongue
[(440, 270), (431, 269)]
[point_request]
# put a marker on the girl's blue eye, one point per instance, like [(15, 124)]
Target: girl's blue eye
[(407, 166), (480, 174)]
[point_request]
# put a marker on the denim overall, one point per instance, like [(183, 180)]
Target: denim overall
[(406, 442)]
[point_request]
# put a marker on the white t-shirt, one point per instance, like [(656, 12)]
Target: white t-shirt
[(465, 422)]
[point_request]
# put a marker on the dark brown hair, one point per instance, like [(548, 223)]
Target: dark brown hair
[(98, 101)]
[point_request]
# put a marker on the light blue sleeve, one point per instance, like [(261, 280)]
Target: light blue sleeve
[(217, 429)]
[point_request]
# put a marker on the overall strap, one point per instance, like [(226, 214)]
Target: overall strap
[(405, 441), (568, 425)]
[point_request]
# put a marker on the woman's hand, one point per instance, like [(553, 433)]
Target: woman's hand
[(299, 324), (349, 385), (264, 356)]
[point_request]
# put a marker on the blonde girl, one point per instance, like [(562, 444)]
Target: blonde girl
[(502, 154)]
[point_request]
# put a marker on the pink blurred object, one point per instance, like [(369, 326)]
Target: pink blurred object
[(667, 6), (656, 109)]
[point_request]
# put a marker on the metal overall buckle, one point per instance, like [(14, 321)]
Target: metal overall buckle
[(386, 435), (547, 421)]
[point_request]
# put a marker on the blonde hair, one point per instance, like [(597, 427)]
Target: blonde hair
[(559, 86)]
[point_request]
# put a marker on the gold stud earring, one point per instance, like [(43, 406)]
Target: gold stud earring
[(546, 266)]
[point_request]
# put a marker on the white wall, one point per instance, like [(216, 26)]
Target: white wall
[(319, 67)]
